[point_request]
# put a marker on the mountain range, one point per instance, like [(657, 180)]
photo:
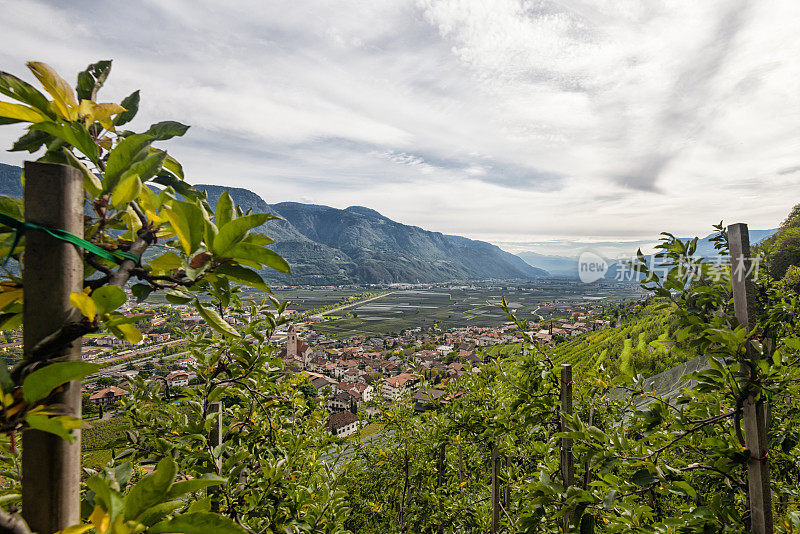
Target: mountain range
[(326, 245), (567, 266), (357, 245)]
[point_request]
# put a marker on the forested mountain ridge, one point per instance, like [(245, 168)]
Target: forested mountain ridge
[(325, 245)]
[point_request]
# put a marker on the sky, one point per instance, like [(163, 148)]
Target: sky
[(530, 124)]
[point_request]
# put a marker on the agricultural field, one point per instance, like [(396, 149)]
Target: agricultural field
[(452, 307)]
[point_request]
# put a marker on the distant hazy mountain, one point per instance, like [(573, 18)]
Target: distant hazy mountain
[(10, 183), (555, 265), (568, 266)]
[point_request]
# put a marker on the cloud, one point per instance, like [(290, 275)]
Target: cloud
[(511, 120)]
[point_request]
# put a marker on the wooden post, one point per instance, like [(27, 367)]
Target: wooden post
[(440, 466), (215, 439), (216, 431), (51, 467), (460, 467), (507, 484), (567, 461), (587, 474), (758, 479), (495, 490)]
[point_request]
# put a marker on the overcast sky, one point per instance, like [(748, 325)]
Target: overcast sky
[(514, 122)]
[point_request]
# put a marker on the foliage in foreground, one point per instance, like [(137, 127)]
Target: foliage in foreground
[(203, 252), (644, 462)]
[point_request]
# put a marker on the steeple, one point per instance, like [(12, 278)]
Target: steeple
[(291, 342)]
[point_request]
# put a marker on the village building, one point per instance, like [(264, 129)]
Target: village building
[(108, 396), (426, 399), (342, 424), (177, 379), (394, 386)]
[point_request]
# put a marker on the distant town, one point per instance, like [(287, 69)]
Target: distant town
[(352, 377)]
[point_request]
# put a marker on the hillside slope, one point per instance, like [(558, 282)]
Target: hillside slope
[(386, 251), (357, 245)]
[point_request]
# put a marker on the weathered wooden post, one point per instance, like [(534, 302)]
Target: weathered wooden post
[(215, 439), (587, 474), (567, 461), (495, 490), (460, 467), (507, 485), (441, 465), (53, 269), (758, 479), (216, 431)]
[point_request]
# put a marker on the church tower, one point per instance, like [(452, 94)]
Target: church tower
[(291, 342)]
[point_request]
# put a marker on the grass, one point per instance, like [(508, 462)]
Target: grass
[(96, 459), (501, 351), (370, 429), (102, 433)]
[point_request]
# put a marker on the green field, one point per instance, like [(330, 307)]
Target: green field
[(462, 307)]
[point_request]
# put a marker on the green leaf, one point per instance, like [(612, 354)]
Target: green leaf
[(92, 79), (108, 298), (161, 131), (131, 105), (200, 505), (91, 182), (31, 141), (126, 190), (24, 92), (141, 291), (110, 500), (682, 487), (128, 332), (180, 187), (40, 383), (73, 133), (85, 304), (235, 230), (175, 297), (198, 523), (12, 206), (257, 239), (608, 502), (261, 255), (151, 489), (166, 262), (189, 486), (158, 512), (243, 275), (224, 210), (61, 425), (146, 168), (643, 477), (213, 319), (174, 166), (130, 150), (6, 383)]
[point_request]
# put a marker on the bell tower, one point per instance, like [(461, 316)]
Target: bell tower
[(291, 342)]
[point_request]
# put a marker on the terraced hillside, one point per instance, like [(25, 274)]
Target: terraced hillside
[(639, 344)]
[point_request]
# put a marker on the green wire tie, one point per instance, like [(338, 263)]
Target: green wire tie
[(20, 227)]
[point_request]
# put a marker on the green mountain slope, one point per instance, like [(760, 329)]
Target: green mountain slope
[(357, 245)]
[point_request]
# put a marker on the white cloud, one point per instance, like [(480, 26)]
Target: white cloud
[(510, 120)]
